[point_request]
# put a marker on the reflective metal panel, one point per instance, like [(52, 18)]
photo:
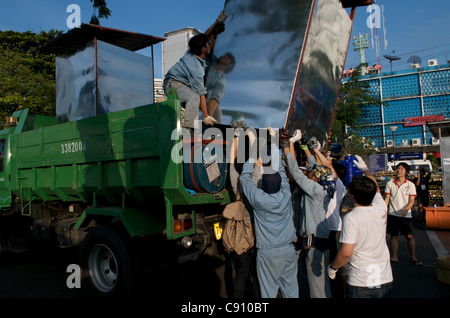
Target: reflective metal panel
[(321, 69), (445, 155), (125, 79), (266, 39), (75, 84)]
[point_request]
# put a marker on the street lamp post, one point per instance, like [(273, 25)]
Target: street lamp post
[(393, 128)]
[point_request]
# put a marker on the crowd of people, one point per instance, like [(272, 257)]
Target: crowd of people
[(304, 247)]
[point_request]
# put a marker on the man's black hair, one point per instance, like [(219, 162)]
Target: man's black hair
[(233, 63), (404, 165), (197, 42), (363, 190), (340, 169)]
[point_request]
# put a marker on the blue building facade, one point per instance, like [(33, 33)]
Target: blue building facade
[(416, 92)]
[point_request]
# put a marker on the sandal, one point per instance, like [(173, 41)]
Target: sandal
[(417, 263)]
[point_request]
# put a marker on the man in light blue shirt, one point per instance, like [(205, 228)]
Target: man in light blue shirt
[(274, 228), (187, 76)]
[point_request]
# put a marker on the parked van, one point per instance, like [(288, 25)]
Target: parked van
[(415, 165)]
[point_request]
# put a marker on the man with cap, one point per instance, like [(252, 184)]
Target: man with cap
[(274, 229), (316, 191)]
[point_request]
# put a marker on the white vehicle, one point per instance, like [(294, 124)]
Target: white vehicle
[(415, 165)]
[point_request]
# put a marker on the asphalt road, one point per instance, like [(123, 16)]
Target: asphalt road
[(42, 273)]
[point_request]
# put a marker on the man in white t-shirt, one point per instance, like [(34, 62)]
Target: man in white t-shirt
[(400, 196), (364, 251)]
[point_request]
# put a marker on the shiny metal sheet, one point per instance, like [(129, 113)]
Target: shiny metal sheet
[(321, 70), (75, 84), (123, 80), (445, 155), (267, 40)]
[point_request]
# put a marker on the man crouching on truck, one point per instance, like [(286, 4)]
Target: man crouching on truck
[(274, 229), (187, 76)]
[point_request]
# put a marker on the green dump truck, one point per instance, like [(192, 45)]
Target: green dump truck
[(106, 173), (102, 173), (108, 183)]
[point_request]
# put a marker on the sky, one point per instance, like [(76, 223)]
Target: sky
[(413, 27)]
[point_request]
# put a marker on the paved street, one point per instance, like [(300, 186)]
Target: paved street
[(420, 281), (42, 273)]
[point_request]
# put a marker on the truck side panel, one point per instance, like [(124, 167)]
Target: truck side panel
[(118, 162), (111, 154)]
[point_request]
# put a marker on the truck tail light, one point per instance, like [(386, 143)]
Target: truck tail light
[(187, 224), (177, 226), (181, 225)]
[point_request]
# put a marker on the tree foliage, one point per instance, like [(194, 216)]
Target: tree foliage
[(357, 145), (352, 95), (103, 11), (27, 76), (434, 161)]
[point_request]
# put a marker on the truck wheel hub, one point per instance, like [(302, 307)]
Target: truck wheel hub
[(103, 268)]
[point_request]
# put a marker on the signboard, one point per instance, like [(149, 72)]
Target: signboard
[(377, 163), (406, 156), (419, 121)]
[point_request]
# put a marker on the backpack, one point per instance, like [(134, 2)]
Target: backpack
[(237, 234)]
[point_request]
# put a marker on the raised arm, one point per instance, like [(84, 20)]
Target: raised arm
[(361, 165), (210, 32), (324, 161), (418, 179), (220, 19)]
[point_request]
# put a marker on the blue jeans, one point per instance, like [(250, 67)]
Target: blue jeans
[(384, 291)]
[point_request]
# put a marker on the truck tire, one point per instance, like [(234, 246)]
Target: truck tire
[(106, 265)]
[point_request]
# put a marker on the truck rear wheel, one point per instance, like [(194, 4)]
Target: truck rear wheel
[(106, 266)]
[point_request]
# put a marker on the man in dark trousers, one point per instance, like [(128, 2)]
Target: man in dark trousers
[(423, 178), (364, 252)]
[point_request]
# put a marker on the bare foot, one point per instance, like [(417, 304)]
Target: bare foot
[(417, 262)]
